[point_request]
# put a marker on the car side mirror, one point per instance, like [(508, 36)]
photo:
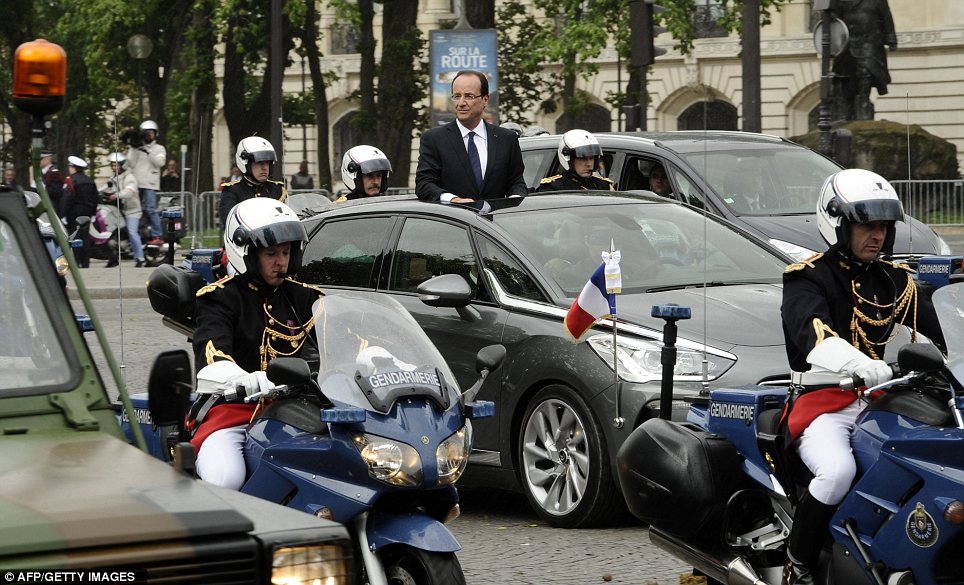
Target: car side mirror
[(447, 290), (289, 371)]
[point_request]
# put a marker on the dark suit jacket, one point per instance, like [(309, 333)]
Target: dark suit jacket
[(443, 165)]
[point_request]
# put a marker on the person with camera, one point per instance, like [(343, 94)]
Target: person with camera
[(255, 158), (122, 189), (145, 157)]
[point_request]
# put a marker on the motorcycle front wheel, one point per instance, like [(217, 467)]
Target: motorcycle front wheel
[(405, 565)]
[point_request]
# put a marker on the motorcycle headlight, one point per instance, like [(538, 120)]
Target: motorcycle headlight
[(638, 360), (321, 564), (798, 253), (390, 461), (62, 266), (452, 455)]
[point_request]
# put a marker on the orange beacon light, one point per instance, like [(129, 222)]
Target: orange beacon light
[(39, 77)]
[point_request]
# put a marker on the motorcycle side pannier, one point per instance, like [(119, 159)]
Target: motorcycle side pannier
[(677, 476)]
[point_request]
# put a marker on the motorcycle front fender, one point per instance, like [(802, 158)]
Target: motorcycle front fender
[(413, 529)]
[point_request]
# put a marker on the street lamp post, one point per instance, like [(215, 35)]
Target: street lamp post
[(139, 47)]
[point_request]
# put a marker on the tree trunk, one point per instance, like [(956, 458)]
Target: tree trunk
[(243, 121), (366, 118), (401, 86), (319, 93), (202, 101), (480, 13)]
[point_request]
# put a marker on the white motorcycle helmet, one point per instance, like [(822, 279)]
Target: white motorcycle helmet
[(578, 144), (150, 125), (258, 223), (253, 149), (856, 196), (361, 160), (117, 157)]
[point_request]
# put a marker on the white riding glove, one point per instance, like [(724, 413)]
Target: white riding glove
[(224, 377), (249, 385), (836, 355)]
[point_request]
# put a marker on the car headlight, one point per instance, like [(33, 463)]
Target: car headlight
[(390, 461), (320, 564), (798, 253), (452, 455), (638, 360), (942, 248)]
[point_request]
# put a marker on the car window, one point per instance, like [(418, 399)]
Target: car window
[(685, 189), (535, 162), (768, 181), (661, 245), (428, 248), (31, 355), (512, 276), (343, 253)]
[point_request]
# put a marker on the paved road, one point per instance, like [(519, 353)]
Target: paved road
[(503, 540)]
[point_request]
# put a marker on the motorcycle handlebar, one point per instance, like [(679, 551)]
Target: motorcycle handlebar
[(265, 393), (858, 382)]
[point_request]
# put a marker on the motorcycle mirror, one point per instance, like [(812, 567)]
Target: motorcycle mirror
[(490, 357), (920, 357), (447, 290), (169, 387), (289, 371)]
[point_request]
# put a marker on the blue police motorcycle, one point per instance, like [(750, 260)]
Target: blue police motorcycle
[(719, 490), (373, 433)]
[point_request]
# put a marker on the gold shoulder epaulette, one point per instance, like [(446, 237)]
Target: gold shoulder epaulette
[(313, 287), (549, 179), (276, 182), (808, 263), (898, 265), (214, 285), (229, 183), (598, 176)]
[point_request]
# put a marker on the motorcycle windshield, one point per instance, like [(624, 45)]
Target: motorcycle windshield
[(371, 351), (949, 303)]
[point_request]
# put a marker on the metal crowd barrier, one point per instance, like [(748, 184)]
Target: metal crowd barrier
[(935, 202)]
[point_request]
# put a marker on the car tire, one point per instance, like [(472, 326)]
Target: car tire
[(564, 464)]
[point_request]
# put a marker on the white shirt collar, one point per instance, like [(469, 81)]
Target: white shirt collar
[(479, 130)]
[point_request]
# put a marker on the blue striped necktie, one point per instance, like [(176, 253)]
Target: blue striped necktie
[(475, 161)]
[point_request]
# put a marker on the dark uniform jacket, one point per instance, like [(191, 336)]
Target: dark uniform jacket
[(54, 183), (80, 198), (243, 189), (833, 295), (250, 323), (571, 182)]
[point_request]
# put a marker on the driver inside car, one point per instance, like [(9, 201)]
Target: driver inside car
[(243, 322)]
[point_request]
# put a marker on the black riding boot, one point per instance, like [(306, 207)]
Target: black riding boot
[(807, 536)]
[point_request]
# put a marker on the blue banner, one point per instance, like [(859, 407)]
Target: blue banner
[(452, 51)]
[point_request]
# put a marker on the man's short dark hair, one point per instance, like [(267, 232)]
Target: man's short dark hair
[(482, 79)]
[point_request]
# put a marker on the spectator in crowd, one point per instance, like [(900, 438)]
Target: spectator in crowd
[(579, 154), (10, 179), (365, 171), (170, 178), (80, 200), (301, 179), (122, 188), (53, 180), (468, 158), (255, 158), (145, 157)]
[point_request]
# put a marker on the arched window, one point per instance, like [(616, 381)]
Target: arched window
[(594, 118), (344, 137), (712, 115)]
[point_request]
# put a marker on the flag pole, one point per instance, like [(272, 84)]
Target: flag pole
[(618, 421)]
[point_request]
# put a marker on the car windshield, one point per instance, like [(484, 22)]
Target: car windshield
[(662, 246), (373, 336), (764, 181), (31, 356)]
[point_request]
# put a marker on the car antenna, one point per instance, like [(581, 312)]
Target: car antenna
[(910, 188), (704, 363), (120, 265)]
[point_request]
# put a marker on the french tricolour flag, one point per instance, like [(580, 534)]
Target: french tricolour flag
[(592, 304)]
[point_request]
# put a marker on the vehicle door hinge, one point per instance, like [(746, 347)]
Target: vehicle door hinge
[(75, 405)]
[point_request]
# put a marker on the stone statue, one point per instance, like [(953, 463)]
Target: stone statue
[(863, 63)]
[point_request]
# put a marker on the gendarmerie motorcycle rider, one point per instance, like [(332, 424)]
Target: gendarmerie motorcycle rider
[(255, 158), (851, 301), (579, 156)]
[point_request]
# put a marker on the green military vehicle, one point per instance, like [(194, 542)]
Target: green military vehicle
[(75, 495)]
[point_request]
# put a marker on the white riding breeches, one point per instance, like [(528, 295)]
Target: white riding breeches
[(825, 449), (221, 458)]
